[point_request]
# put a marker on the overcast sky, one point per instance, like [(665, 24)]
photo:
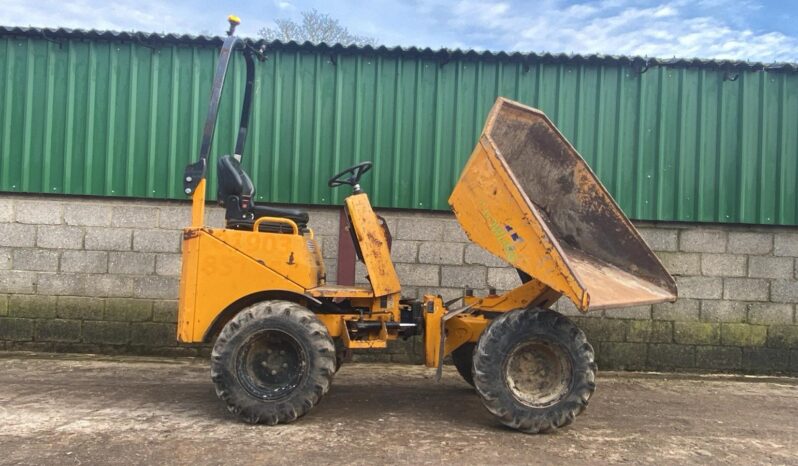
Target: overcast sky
[(760, 30)]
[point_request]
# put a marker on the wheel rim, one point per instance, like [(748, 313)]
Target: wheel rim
[(271, 364), (538, 373)]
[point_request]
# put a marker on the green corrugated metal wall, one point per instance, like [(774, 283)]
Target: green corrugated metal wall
[(112, 118)]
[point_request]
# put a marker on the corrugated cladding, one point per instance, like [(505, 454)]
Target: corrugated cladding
[(121, 115)]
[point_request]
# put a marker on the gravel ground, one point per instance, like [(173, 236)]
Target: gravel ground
[(70, 409)]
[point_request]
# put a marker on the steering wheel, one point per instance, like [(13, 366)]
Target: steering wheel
[(354, 172)]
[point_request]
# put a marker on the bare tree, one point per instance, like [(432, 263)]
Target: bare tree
[(314, 27)]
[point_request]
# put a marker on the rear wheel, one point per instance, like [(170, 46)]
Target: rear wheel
[(273, 362), (463, 359), (534, 370)]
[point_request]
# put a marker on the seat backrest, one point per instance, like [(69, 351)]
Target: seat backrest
[(233, 180)]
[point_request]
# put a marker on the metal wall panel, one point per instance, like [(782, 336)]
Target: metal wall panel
[(121, 118)]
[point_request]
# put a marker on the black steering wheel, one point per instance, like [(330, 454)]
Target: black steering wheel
[(354, 172)]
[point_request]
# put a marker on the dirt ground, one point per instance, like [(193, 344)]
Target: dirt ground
[(95, 410)]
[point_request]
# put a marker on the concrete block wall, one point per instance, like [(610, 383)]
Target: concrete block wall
[(97, 275)]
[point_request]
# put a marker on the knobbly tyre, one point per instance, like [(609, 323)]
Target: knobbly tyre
[(257, 288)]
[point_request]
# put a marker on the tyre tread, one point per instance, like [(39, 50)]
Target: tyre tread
[(492, 349), (310, 392)]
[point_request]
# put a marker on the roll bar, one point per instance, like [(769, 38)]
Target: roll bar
[(195, 173)]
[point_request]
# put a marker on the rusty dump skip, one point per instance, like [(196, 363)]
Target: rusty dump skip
[(527, 196)]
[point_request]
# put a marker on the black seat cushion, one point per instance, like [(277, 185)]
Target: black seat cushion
[(299, 216), (236, 192)]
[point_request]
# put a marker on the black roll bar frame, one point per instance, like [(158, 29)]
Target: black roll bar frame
[(197, 171)]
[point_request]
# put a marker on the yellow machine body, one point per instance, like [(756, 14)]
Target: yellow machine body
[(224, 270), (525, 195)]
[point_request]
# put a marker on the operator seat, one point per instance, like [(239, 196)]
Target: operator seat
[(236, 193)]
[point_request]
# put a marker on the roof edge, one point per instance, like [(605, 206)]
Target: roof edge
[(444, 55)]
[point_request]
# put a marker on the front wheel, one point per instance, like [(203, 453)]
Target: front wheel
[(534, 370), (273, 362)]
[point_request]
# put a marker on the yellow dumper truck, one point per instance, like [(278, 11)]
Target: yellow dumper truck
[(257, 288)]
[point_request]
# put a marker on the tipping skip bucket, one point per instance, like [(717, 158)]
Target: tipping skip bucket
[(528, 197)]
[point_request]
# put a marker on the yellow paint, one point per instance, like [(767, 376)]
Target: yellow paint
[(459, 329), (198, 205), (500, 234), (288, 255), (463, 329), (373, 245), (214, 276), (187, 296), (486, 202), (341, 291), (335, 323), (433, 326), (530, 294)]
